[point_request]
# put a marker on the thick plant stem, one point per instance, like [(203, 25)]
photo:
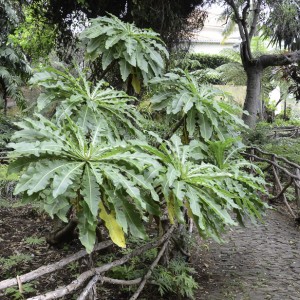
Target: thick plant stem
[(64, 234), (175, 128)]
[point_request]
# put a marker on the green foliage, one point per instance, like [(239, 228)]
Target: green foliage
[(34, 35), (34, 240), (14, 71), (126, 272), (202, 66), (15, 293), (7, 185), (73, 266), (176, 279), (14, 260), (207, 114), (287, 147), (282, 25), (7, 128), (82, 100), (138, 51), (74, 165), (196, 61), (208, 191), (8, 20), (92, 159)]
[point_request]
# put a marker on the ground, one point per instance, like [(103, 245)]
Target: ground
[(255, 263)]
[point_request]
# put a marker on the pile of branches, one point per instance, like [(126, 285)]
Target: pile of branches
[(284, 173), (94, 275)]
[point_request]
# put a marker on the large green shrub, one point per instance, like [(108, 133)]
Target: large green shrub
[(92, 160)]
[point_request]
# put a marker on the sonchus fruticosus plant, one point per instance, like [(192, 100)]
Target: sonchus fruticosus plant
[(207, 191), (139, 52), (67, 166), (91, 161)]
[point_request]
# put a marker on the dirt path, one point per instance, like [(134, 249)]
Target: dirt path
[(256, 263)]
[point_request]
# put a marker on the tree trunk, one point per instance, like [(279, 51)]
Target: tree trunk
[(253, 96)]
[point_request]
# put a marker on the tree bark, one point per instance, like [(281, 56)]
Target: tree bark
[(253, 95), (254, 67), (254, 70)]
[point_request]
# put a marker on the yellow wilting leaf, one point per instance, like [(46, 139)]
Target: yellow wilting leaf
[(116, 232), (136, 83)]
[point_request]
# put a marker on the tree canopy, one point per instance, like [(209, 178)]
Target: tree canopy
[(173, 20)]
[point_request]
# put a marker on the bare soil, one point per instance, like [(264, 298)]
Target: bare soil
[(255, 262)]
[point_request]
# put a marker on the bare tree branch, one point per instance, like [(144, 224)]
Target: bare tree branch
[(75, 284), (272, 60), (88, 288), (255, 19), (51, 268), (147, 276), (283, 195)]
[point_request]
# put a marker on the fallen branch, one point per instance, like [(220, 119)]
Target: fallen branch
[(272, 163), (50, 268), (147, 276), (284, 198), (75, 284), (120, 281), (107, 280), (297, 189), (88, 288), (283, 190), (277, 157)]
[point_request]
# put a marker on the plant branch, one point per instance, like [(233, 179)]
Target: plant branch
[(175, 128), (244, 24), (237, 18), (255, 19), (272, 163), (51, 268), (109, 67), (283, 190), (147, 276), (88, 288), (60, 292), (284, 197), (273, 60), (61, 234), (277, 157)]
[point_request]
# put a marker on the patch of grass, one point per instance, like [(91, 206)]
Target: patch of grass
[(14, 293), (34, 240), (13, 260)]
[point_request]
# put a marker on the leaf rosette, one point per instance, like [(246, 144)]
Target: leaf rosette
[(207, 114), (139, 52), (81, 100), (66, 170), (208, 192)]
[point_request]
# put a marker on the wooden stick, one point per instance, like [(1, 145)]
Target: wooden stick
[(273, 163), (277, 157), (88, 288), (51, 268), (75, 284), (297, 189), (147, 276), (283, 190), (284, 198), (120, 281)]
